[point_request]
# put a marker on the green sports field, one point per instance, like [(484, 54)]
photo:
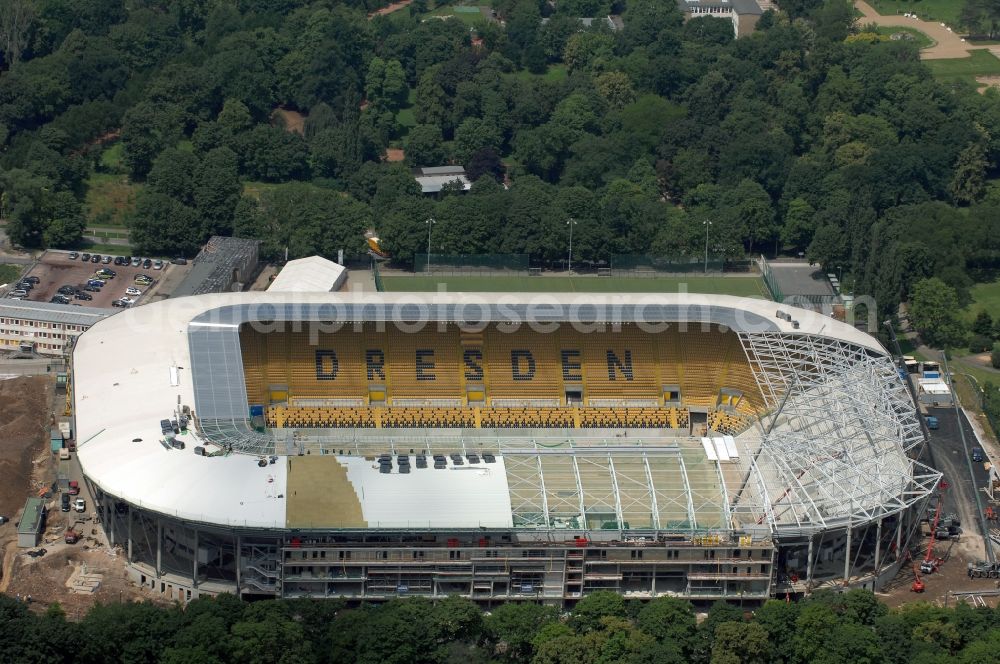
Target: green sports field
[(748, 286)]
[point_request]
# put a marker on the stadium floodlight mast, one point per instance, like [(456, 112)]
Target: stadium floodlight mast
[(706, 223), (569, 261), (430, 224)]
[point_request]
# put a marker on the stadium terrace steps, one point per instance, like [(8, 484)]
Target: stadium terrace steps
[(309, 417), (450, 368)]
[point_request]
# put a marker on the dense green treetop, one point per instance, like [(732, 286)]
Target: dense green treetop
[(602, 629), (797, 138)]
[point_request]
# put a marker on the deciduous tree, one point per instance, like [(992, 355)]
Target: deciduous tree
[(935, 312)]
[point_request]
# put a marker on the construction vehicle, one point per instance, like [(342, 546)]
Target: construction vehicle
[(982, 569), (930, 563), (918, 583)]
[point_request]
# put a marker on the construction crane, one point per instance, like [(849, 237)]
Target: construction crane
[(918, 583), (930, 564)]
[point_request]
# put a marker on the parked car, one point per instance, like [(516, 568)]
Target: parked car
[(146, 264), (73, 255), (80, 505), (977, 454), (96, 258), (157, 264), (143, 281), (95, 283), (74, 488), (106, 260), (33, 280), (85, 257), (126, 300), (92, 289), (136, 261), (59, 299), (932, 422), (65, 502), (66, 289), (18, 292), (179, 261), (119, 303), (84, 296), (133, 291)]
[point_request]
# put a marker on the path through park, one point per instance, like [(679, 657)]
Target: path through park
[(949, 44)]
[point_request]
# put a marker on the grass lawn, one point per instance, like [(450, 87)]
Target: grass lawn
[(984, 297), (979, 63), (9, 273), (942, 11), (554, 73), (108, 235), (113, 249), (111, 158), (255, 189), (109, 198), (467, 13), (406, 120), (745, 286), (919, 38)]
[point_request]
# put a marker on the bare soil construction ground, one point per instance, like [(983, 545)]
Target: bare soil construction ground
[(950, 577), (27, 467), (24, 433)]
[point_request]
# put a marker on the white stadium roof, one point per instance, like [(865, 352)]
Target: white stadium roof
[(132, 370), (313, 274)]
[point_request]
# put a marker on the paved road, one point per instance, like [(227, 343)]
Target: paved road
[(951, 457), (949, 44), (16, 260)]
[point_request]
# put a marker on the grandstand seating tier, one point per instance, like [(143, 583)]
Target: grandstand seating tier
[(530, 373)]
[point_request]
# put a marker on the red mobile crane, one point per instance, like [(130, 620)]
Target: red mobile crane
[(930, 563), (918, 583)]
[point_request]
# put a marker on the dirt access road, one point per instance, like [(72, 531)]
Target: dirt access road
[(949, 44), (396, 6)]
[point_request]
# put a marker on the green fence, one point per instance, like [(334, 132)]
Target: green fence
[(647, 264), (470, 264), (770, 281)]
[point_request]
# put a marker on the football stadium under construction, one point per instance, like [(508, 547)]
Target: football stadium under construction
[(496, 446)]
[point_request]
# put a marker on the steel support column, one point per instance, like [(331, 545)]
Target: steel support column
[(194, 561), (899, 535), (809, 564), (878, 550), (159, 547), (239, 564), (129, 529), (847, 556)]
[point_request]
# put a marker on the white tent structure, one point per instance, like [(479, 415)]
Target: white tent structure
[(314, 274)]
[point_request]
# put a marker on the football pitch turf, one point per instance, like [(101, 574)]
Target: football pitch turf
[(746, 286)]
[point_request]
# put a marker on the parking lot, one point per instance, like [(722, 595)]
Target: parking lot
[(56, 269)]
